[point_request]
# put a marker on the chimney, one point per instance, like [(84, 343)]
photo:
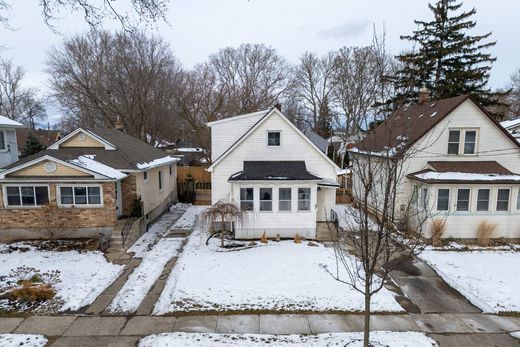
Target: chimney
[(278, 106), (118, 124), (424, 95)]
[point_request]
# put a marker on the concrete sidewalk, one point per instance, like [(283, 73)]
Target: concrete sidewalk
[(448, 329)]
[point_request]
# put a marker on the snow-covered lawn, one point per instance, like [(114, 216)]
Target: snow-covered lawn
[(489, 279), (348, 216), (12, 340), (142, 279), (83, 276), (189, 218), (157, 230), (516, 334), (281, 276), (377, 338)]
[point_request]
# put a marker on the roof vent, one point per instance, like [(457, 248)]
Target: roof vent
[(433, 114), (424, 95), (433, 104)]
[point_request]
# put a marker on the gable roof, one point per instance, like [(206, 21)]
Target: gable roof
[(272, 111), (273, 171), (128, 153), (410, 123), (9, 123), (319, 141)]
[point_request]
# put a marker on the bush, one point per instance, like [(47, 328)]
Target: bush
[(29, 285), (30, 292), (437, 229), (485, 231)]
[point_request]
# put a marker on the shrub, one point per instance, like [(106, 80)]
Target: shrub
[(30, 292), (263, 239), (485, 231), (437, 229)]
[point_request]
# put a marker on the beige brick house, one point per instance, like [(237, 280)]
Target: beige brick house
[(85, 185)]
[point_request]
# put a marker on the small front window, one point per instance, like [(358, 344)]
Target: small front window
[(246, 199), (266, 199), (443, 200), (503, 200), (273, 138), (304, 199), (284, 203), (463, 200), (483, 200), (453, 142)]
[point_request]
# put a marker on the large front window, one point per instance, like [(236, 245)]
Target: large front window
[(27, 195), (80, 195), (266, 199), (284, 203), (246, 199), (304, 199)]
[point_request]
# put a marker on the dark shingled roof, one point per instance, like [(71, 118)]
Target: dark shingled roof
[(479, 167), (318, 141), (130, 151), (273, 171), (409, 123)]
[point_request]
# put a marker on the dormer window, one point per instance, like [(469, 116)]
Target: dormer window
[(273, 139), (462, 142)]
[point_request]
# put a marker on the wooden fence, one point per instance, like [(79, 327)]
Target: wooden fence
[(194, 185), (195, 173)]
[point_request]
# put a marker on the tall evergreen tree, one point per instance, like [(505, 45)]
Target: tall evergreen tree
[(446, 59), (32, 145)]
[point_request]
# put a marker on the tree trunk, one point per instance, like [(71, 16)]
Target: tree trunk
[(366, 327), (222, 232)]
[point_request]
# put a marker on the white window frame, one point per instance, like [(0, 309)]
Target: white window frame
[(260, 199), (267, 138), (285, 200), (252, 201), (462, 141), (4, 192), (87, 205), (298, 199), (518, 199), (437, 199), (469, 199), (508, 200), (3, 134), (488, 201)]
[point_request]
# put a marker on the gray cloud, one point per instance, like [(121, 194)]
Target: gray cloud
[(349, 29)]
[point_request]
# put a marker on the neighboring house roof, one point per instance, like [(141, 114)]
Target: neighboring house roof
[(509, 124), (274, 171), (45, 137), (465, 171), (128, 153), (410, 123), (9, 123), (319, 141), (256, 125)]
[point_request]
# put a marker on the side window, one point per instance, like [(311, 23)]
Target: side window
[(3, 144), (160, 180), (273, 139), (171, 170), (246, 199), (518, 200), (145, 175), (453, 142), (443, 200), (424, 198), (483, 200)]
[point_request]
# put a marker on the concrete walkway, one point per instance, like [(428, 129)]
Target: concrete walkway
[(447, 329)]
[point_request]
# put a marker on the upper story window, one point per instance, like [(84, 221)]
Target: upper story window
[(26, 195), (462, 141), (3, 142), (273, 139)]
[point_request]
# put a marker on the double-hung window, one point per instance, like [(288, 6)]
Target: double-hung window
[(246, 199), (266, 199), (284, 199), (463, 199), (79, 195), (462, 141), (503, 200), (304, 199), (483, 199), (443, 199), (518, 200), (453, 142), (470, 141), (27, 195)]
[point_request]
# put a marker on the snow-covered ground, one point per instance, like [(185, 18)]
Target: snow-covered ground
[(16, 340), (278, 276), (189, 218), (516, 334), (348, 216), (83, 276), (489, 279), (158, 229), (377, 338), (142, 279)]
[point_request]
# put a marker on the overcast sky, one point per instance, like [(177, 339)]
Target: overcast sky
[(199, 27)]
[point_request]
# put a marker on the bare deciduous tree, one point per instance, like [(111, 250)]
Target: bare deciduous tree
[(16, 102), (222, 212), (513, 98), (99, 77)]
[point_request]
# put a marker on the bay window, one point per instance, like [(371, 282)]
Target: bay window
[(443, 199), (483, 200), (463, 200)]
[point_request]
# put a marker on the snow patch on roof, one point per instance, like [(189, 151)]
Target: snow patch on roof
[(461, 176), (88, 162), (157, 162), (510, 123), (6, 122)]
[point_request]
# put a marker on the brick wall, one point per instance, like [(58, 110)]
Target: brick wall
[(36, 218), (128, 194)]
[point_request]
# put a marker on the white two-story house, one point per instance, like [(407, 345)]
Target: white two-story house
[(284, 181), (459, 165), (8, 146)]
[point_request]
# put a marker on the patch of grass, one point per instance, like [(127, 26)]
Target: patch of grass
[(485, 232), (437, 229)]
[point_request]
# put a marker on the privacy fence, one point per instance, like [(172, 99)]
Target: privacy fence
[(194, 185)]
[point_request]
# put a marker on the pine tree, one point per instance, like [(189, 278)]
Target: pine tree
[(323, 126), (32, 145), (447, 59)]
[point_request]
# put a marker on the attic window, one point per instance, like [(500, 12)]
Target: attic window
[(273, 139)]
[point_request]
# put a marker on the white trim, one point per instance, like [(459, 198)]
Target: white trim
[(108, 146), (260, 122), (6, 146), (28, 184), (267, 138), (247, 115), (59, 161), (87, 205)]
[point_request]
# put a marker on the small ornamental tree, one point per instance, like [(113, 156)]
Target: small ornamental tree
[(222, 212)]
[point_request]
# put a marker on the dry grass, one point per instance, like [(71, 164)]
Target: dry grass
[(263, 239), (485, 232), (437, 229), (31, 292), (297, 238)]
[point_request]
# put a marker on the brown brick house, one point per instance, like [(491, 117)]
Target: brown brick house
[(82, 184)]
